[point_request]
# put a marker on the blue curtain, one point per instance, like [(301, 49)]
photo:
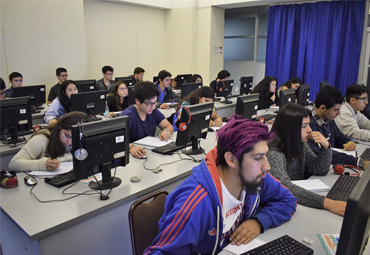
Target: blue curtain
[(316, 42)]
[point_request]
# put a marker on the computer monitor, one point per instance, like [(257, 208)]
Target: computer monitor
[(131, 95), (323, 84), (355, 229), (224, 90), (36, 94), (193, 125), (181, 79), (187, 88), (107, 145), (91, 103), (287, 96), (155, 78), (127, 80), (16, 118), (246, 84), (86, 85), (303, 94), (247, 106)]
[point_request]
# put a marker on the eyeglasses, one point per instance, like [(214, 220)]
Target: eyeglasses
[(64, 75), (109, 74), (363, 98), (150, 104)]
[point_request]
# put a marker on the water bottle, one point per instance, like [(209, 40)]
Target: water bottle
[(106, 113)]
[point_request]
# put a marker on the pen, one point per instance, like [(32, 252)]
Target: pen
[(327, 139), (349, 142)]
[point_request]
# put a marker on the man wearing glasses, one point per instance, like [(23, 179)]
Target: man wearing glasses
[(351, 121), (107, 83), (145, 117), (61, 76)]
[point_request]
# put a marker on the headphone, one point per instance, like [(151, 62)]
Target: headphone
[(339, 169), (223, 86), (183, 125), (81, 153)]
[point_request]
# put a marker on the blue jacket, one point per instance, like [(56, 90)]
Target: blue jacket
[(54, 111), (192, 220)]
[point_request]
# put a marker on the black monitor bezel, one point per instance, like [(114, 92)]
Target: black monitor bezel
[(301, 93), (89, 97), (82, 84), (182, 79), (246, 86), (247, 100), (284, 93), (188, 88), (24, 91), (127, 80), (226, 84)]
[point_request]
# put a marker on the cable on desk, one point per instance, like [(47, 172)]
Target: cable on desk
[(164, 164)]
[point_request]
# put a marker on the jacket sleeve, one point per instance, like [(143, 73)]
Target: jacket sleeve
[(278, 170), (278, 203), (264, 102), (53, 111), (349, 126), (317, 164), (31, 156), (363, 121), (172, 96)]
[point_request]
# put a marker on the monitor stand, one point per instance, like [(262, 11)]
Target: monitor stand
[(14, 140), (107, 181), (195, 150), (227, 100)]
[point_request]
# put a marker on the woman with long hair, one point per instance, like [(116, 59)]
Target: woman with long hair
[(266, 88), (48, 147), (201, 95), (291, 158), (118, 100), (61, 105)]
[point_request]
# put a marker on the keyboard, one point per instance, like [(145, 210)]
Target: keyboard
[(281, 245), (61, 179), (267, 116), (343, 187), (366, 155), (169, 149)]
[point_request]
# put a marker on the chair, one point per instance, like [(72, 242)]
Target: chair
[(143, 219)]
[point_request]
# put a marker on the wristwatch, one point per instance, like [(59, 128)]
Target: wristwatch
[(361, 163)]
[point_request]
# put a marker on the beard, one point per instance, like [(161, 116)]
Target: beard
[(250, 187)]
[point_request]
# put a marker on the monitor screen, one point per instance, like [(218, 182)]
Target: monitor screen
[(126, 80), (181, 79), (356, 222), (224, 90), (86, 85), (247, 106), (35, 92), (16, 118), (187, 88), (155, 78), (131, 95), (192, 125), (287, 96), (107, 145), (91, 103), (323, 84), (246, 84), (303, 94)]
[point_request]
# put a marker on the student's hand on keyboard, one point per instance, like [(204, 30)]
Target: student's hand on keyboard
[(52, 164), (366, 164), (246, 232), (337, 207), (218, 122), (351, 146), (137, 151)]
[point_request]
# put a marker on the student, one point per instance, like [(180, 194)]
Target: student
[(2, 88), (62, 76), (230, 196), (293, 83), (62, 104), (138, 75), (16, 81), (106, 83), (166, 94), (351, 121), (197, 78), (199, 96), (145, 117), (173, 84), (328, 103), (48, 147), (292, 159), (266, 88), (118, 100), (221, 77)]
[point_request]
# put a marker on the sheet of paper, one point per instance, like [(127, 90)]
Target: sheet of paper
[(64, 167), (314, 185), (217, 128), (152, 141), (352, 153), (244, 247)]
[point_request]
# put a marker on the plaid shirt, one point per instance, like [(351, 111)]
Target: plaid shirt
[(318, 119)]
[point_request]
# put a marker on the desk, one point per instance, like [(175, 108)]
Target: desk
[(84, 225), (38, 118)]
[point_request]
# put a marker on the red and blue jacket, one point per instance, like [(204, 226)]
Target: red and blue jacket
[(192, 221)]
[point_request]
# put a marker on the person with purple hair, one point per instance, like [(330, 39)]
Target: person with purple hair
[(230, 196)]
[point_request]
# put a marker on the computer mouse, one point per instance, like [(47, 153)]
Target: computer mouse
[(210, 129), (157, 170), (225, 119), (30, 180), (135, 179), (144, 156)]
